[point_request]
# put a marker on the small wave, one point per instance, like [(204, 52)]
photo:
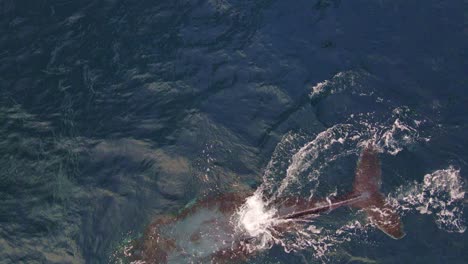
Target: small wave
[(340, 82)]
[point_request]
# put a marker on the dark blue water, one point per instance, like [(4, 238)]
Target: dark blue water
[(113, 112)]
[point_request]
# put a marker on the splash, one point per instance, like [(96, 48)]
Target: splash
[(300, 163), (305, 162), (261, 222), (441, 194), (303, 166), (254, 217)]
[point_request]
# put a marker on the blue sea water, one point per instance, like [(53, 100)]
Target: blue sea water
[(113, 112)]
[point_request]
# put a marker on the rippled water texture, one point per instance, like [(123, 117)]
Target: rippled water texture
[(116, 112)]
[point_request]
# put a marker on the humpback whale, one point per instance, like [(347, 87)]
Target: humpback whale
[(205, 232)]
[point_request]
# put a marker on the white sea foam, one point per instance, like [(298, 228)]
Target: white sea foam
[(441, 194), (338, 83), (319, 88), (307, 163), (254, 217), (256, 220), (303, 166), (309, 156), (300, 163)]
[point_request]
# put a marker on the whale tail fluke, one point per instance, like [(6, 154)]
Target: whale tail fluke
[(367, 184)]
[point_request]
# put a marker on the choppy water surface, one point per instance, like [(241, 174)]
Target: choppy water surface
[(115, 112)]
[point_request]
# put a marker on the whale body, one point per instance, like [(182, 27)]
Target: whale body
[(205, 232)]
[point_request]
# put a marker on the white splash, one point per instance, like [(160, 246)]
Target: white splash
[(256, 220), (254, 217), (300, 163), (304, 166), (309, 156), (440, 194)]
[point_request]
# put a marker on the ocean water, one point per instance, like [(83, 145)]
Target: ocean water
[(114, 112)]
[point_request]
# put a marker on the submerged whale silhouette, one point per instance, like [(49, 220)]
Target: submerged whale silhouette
[(205, 232)]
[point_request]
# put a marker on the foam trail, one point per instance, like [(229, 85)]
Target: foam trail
[(309, 153), (440, 194)]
